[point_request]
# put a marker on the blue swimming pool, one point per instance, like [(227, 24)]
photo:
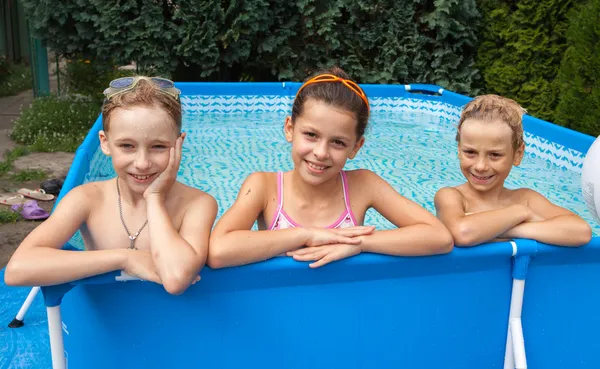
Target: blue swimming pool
[(371, 311)]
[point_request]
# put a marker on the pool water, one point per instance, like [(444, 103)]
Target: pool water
[(414, 151)]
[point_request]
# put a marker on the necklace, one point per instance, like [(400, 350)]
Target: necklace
[(132, 238)]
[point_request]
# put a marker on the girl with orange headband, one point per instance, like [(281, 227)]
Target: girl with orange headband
[(315, 212)]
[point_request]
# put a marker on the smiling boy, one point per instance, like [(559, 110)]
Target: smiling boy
[(490, 142), (143, 221)]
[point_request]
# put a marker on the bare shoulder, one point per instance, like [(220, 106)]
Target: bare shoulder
[(261, 179), (191, 197), (359, 177), (259, 185), (525, 195), (89, 194), (449, 200), (448, 193)]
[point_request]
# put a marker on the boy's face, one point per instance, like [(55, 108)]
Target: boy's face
[(139, 141), (486, 153)]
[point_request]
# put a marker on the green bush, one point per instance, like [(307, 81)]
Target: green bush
[(55, 123), (90, 77), (519, 54), (376, 41), (579, 75), (3, 69), (14, 77)]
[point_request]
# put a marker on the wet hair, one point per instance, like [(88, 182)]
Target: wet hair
[(494, 108), (335, 94), (145, 94)]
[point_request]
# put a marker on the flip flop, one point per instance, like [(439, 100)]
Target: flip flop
[(10, 200), (38, 194), (31, 210)]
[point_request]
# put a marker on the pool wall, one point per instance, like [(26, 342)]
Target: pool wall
[(370, 311)]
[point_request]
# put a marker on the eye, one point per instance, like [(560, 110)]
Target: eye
[(469, 152), (339, 143), (496, 155), (126, 146), (310, 134), (159, 147)]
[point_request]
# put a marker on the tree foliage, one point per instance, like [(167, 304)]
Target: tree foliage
[(376, 41), (579, 75)]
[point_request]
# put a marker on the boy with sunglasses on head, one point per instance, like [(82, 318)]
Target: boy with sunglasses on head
[(143, 221)]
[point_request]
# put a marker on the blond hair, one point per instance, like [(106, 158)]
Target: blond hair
[(492, 108), (145, 94)]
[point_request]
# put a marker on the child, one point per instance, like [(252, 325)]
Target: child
[(317, 204), (490, 142), (143, 221)]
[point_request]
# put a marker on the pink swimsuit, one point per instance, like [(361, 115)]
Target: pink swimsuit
[(281, 220)]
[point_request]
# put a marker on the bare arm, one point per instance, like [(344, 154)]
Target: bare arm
[(560, 227), (179, 256), (476, 228), (39, 260), (234, 243), (419, 232)]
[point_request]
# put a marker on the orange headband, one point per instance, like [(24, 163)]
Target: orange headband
[(332, 78)]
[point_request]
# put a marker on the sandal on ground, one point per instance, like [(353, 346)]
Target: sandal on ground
[(11, 199), (31, 210), (37, 194)]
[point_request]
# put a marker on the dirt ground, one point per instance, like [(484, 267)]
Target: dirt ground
[(11, 235), (55, 165)]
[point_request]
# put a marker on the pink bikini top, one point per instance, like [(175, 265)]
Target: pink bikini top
[(281, 220)]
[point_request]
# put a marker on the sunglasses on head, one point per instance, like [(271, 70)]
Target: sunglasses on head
[(124, 84)]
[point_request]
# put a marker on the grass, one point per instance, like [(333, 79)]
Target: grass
[(10, 156), (8, 216), (55, 123), (18, 79), (29, 175)]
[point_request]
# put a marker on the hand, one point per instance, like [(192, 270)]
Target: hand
[(139, 263), (350, 236), (324, 254), (162, 184)]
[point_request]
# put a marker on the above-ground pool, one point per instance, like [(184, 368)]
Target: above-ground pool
[(370, 311)]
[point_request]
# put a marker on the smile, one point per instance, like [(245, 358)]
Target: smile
[(316, 167), (141, 178), (479, 178)]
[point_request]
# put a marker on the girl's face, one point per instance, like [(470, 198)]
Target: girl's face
[(139, 142), (486, 153), (322, 138)]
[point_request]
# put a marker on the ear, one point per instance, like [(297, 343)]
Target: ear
[(357, 147), (519, 154), (104, 143), (288, 128)]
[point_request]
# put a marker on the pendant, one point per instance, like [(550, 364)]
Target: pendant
[(132, 242)]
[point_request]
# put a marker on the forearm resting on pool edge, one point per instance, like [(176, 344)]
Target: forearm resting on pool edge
[(245, 246), (563, 230), (45, 266), (414, 240)]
